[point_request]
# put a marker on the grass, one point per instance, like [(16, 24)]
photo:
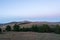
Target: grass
[(29, 36)]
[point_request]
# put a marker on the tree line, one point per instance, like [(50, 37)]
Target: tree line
[(35, 28)]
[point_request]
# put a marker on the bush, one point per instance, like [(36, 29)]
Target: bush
[(8, 28)]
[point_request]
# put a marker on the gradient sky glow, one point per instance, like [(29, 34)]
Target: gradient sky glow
[(32, 10)]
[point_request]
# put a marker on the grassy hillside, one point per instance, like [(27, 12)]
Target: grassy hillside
[(29, 24)]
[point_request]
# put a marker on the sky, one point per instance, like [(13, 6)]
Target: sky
[(31, 10)]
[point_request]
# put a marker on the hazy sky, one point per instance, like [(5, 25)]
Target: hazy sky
[(32, 10)]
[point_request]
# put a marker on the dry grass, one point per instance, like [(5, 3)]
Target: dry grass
[(29, 36)]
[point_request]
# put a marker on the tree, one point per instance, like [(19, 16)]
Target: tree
[(41, 29), (57, 29), (0, 30), (8, 28), (34, 28), (16, 27), (23, 29), (44, 28)]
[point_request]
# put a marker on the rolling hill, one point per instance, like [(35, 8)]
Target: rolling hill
[(28, 24)]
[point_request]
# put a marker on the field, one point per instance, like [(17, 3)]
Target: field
[(29, 36)]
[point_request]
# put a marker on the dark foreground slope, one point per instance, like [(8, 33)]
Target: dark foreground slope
[(29, 36)]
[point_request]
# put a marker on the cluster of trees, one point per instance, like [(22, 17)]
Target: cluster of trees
[(35, 28)]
